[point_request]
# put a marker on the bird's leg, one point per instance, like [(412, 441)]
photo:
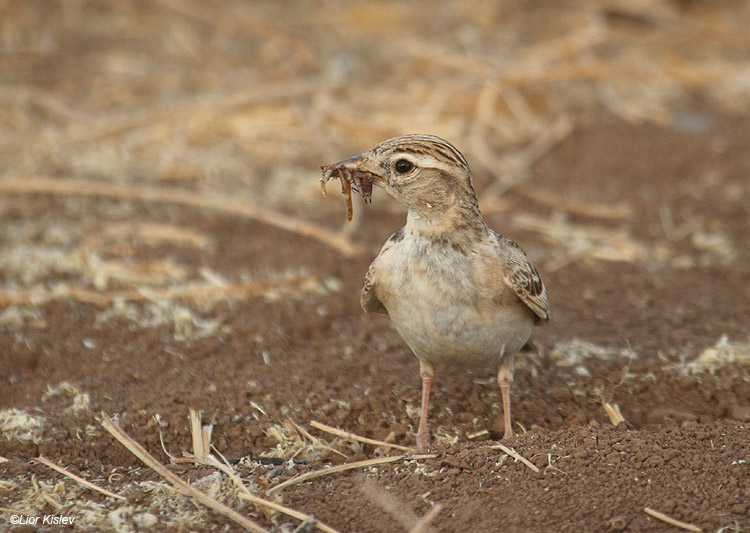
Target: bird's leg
[(504, 379), (427, 371)]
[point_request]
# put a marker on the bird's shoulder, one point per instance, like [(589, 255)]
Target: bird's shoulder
[(521, 276)]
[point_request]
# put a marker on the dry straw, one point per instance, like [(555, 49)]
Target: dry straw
[(78, 479), (348, 466), (222, 204), (614, 413), (515, 455), (351, 436), (671, 521), (201, 437), (180, 485)]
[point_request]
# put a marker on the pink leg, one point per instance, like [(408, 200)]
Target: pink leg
[(427, 370), (504, 379)]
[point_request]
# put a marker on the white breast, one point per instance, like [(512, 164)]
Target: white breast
[(443, 310)]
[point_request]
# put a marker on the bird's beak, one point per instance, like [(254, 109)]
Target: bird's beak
[(355, 170), (353, 163)]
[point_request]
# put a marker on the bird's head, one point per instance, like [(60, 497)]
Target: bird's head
[(425, 173)]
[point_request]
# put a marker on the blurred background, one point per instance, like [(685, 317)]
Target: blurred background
[(250, 98)]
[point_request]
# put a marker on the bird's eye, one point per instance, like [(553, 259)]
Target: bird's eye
[(403, 166)]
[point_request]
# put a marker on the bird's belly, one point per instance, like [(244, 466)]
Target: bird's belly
[(449, 326)]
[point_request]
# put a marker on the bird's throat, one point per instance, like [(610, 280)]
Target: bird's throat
[(454, 223)]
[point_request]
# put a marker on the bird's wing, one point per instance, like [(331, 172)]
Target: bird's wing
[(524, 279), (369, 298)]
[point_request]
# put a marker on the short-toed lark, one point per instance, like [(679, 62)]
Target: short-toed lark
[(456, 291)]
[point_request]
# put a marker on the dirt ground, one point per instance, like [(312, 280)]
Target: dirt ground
[(138, 299)]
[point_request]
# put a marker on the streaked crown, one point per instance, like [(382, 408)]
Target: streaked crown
[(423, 147)]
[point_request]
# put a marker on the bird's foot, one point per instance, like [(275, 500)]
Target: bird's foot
[(423, 443)]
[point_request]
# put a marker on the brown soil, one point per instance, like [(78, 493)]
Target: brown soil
[(138, 279), (683, 449)]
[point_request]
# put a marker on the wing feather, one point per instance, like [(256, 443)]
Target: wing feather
[(369, 297), (524, 279)]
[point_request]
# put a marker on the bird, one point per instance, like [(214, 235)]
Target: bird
[(456, 291)]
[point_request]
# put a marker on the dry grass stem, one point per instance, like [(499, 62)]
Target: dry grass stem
[(424, 522), (515, 455), (201, 291), (304, 527), (347, 466), (286, 510), (181, 486), (206, 432), (613, 412), (78, 479), (201, 437), (53, 502), (584, 241), (271, 32), (671, 521), (351, 436), (203, 108), (210, 460), (201, 442), (482, 433), (316, 441), (222, 204), (245, 494), (585, 209), (514, 168)]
